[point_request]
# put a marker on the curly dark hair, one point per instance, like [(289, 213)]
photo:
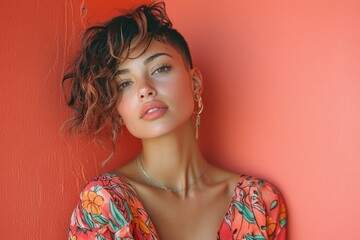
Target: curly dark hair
[(92, 91)]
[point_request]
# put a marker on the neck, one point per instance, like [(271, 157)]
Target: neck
[(174, 159)]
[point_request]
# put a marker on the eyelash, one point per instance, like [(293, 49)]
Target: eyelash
[(165, 68), (124, 84)]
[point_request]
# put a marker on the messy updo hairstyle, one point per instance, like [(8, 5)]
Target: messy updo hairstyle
[(91, 90)]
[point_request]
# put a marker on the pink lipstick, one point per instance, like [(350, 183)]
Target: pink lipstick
[(153, 110)]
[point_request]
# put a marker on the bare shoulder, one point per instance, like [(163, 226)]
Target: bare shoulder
[(129, 172), (221, 176)]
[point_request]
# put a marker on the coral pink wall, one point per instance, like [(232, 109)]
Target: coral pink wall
[(282, 101)]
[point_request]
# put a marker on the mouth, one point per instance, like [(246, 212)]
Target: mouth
[(153, 110)]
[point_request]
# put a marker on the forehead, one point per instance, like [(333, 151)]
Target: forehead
[(144, 51)]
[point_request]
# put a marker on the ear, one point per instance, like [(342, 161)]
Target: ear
[(197, 81)]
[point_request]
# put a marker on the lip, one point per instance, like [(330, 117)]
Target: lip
[(152, 110)]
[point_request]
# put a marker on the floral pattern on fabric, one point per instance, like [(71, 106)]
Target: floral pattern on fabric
[(109, 208), (256, 212)]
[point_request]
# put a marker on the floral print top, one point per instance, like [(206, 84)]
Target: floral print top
[(109, 208)]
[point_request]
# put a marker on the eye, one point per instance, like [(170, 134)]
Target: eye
[(124, 84), (162, 69)]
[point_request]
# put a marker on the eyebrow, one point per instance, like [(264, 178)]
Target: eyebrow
[(156, 55), (146, 61)]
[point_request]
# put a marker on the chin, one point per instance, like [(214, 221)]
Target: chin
[(150, 132), (162, 130)]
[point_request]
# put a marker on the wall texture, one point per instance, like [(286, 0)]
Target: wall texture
[(282, 101)]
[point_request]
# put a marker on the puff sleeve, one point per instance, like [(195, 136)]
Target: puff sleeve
[(257, 212), (275, 211), (100, 214)]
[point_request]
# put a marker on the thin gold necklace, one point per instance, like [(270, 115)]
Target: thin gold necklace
[(158, 184)]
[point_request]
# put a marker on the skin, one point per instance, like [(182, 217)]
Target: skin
[(170, 151)]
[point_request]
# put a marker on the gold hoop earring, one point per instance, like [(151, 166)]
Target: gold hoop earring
[(200, 107)]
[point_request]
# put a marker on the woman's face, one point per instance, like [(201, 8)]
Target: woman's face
[(156, 91)]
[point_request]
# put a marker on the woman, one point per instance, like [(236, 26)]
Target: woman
[(136, 72)]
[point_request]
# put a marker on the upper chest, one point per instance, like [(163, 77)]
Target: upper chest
[(195, 217)]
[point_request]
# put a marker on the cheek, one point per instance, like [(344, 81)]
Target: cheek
[(183, 96), (124, 109)]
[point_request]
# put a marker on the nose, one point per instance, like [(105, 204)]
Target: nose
[(146, 90)]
